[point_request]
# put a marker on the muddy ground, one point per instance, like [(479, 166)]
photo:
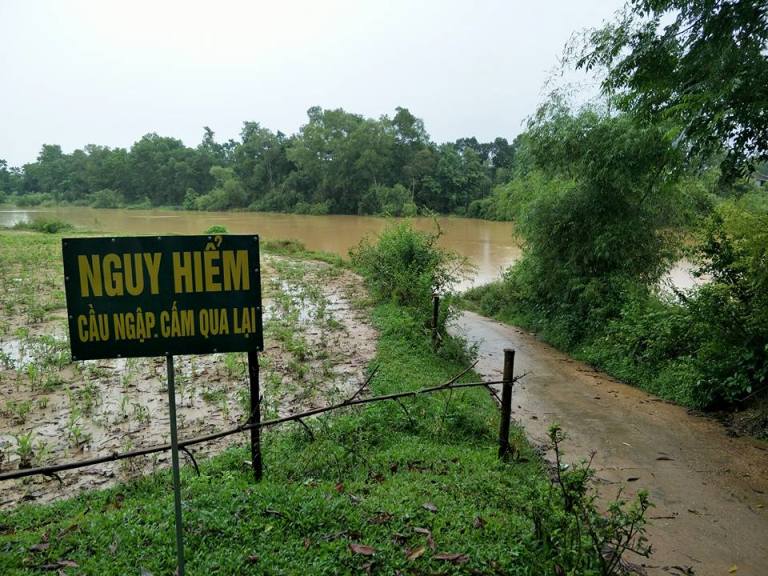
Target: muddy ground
[(318, 342), (709, 489)]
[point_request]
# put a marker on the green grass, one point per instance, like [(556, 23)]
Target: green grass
[(365, 479)]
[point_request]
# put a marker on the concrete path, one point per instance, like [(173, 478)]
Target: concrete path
[(710, 490)]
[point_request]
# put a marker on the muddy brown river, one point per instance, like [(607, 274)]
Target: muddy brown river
[(489, 246)]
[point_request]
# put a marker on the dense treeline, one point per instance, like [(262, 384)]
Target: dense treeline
[(338, 162)]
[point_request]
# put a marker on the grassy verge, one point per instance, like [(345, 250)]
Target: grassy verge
[(372, 477)]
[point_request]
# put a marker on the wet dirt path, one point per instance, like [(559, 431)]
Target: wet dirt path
[(710, 490)]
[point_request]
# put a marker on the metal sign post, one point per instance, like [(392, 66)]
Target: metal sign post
[(255, 415), (175, 463), (130, 297)]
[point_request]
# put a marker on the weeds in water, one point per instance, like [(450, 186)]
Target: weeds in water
[(18, 410), (76, 434), (25, 449)]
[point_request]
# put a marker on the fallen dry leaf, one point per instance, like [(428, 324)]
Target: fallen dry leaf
[(478, 523), (452, 557), (429, 506), (412, 555), (362, 549), (381, 518), (422, 530)]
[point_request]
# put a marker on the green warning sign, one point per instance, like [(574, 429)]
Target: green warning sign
[(162, 295)]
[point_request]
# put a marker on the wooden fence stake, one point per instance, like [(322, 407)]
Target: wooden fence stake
[(506, 402)]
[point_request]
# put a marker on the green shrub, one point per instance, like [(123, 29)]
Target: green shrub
[(106, 198), (389, 200), (48, 226), (315, 209), (25, 200), (217, 229), (406, 266)]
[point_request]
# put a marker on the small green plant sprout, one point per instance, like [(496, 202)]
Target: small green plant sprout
[(140, 412), (234, 365), (89, 396), (25, 449), (42, 452), (18, 410), (217, 229), (77, 436), (33, 374), (6, 361)]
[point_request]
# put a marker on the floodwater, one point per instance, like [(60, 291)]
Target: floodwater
[(490, 246)]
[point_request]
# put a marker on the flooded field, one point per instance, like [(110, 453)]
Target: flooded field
[(318, 343)]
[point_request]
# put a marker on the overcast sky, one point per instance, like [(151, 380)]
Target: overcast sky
[(104, 72)]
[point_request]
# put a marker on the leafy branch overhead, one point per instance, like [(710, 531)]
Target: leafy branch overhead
[(702, 65)]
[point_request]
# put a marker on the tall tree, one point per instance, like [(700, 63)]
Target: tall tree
[(260, 160), (701, 63)]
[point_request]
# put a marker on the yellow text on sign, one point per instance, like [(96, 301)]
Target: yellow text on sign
[(194, 271), (116, 274)]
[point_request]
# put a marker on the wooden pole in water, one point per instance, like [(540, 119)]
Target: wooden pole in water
[(175, 465), (255, 416), (506, 402)]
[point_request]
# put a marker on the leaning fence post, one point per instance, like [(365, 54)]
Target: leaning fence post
[(435, 316), (506, 402)]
